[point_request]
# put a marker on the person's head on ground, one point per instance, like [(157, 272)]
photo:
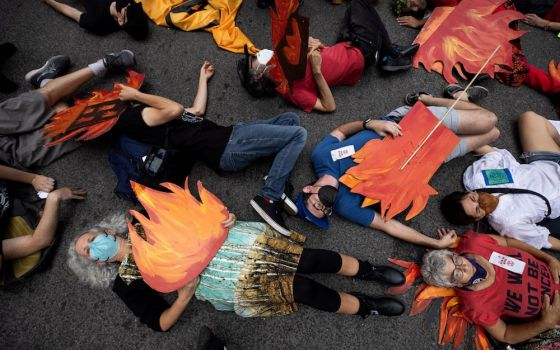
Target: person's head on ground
[(464, 208), (91, 254), (315, 203), (401, 7), (443, 268), (253, 72), (131, 18)]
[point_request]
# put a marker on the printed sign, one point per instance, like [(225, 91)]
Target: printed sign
[(507, 262)]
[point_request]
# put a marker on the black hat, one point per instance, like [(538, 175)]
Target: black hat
[(136, 22)]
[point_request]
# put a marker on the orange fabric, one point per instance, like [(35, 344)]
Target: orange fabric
[(217, 17)]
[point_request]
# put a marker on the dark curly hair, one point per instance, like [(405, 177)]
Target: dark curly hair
[(453, 211)]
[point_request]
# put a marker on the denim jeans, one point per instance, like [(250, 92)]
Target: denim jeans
[(280, 135)]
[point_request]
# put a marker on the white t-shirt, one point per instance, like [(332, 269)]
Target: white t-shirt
[(517, 215)]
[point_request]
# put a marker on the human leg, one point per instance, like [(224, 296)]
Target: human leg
[(537, 134), (311, 293)]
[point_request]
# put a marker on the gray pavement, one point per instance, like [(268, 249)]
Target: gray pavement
[(54, 311)]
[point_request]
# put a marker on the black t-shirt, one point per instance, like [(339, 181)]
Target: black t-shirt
[(143, 301), (97, 18), (204, 139)]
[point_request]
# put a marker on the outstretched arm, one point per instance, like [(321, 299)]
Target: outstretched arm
[(411, 21), (201, 99), (536, 21), (66, 10), (408, 234), (381, 127), (39, 182)]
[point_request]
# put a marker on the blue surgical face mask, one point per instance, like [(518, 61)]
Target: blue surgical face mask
[(103, 247)]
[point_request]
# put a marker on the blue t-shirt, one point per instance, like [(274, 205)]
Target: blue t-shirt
[(347, 204)]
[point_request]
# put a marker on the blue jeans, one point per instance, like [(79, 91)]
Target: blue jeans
[(280, 135)]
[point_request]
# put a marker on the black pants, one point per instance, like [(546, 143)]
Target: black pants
[(311, 293), (364, 28)]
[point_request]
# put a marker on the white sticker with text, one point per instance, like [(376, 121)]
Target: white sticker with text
[(342, 152), (507, 262)]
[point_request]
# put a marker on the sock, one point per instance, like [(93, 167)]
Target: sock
[(98, 68), (44, 82)]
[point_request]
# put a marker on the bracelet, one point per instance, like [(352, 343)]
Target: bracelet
[(365, 123), (547, 26)]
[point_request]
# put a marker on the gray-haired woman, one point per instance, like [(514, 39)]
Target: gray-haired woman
[(499, 278), (256, 272)]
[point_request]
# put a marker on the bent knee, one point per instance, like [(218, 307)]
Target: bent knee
[(491, 119), (494, 134), (529, 117)]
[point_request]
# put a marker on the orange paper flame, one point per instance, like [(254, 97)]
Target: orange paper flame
[(91, 117), (411, 273), (378, 176), (452, 325), (182, 234), (465, 36)]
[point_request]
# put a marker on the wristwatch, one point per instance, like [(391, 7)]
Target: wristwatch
[(365, 123)]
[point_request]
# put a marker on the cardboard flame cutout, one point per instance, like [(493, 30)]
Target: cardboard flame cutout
[(462, 37), (91, 117), (378, 177), (182, 234), (452, 325), (290, 37)]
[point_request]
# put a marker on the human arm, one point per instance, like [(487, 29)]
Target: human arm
[(381, 127), (160, 110), (411, 21), (184, 294), (39, 182), (516, 333), (536, 21), (43, 235), (64, 9), (552, 262), (408, 234), (325, 100), (230, 221), (314, 44), (201, 99)]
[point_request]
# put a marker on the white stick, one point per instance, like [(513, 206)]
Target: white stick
[(449, 109)]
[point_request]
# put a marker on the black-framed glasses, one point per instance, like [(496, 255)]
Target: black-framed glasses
[(457, 274), (318, 204)]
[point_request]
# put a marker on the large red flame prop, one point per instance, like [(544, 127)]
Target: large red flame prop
[(182, 234), (91, 117), (378, 176)]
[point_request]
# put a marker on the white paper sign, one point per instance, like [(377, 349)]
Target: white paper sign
[(342, 152), (507, 262)]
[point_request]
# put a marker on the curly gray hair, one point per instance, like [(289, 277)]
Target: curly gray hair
[(88, 272), (433, 266)]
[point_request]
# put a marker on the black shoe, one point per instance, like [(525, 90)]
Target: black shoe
[(393, 64), (405, 51), (475, 93), (270, 212), (287, 203), (370, 305), (119, 61), (6, 51), (411, 98), (207, 340), (53, 68), (385, 274), (6, 85)]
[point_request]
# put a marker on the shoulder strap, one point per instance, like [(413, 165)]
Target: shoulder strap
[(517, 190)]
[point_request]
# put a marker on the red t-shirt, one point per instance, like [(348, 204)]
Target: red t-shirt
[(342, 64), (512, 294)]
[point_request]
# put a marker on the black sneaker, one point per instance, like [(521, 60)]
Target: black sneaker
[(385, 274), (287, 203), (119, 61), (475, 93), (411, 98), (370, 305), (406, 51), (207, 340), (53, 68), (6, 85), (393, 64), (270, 212)]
